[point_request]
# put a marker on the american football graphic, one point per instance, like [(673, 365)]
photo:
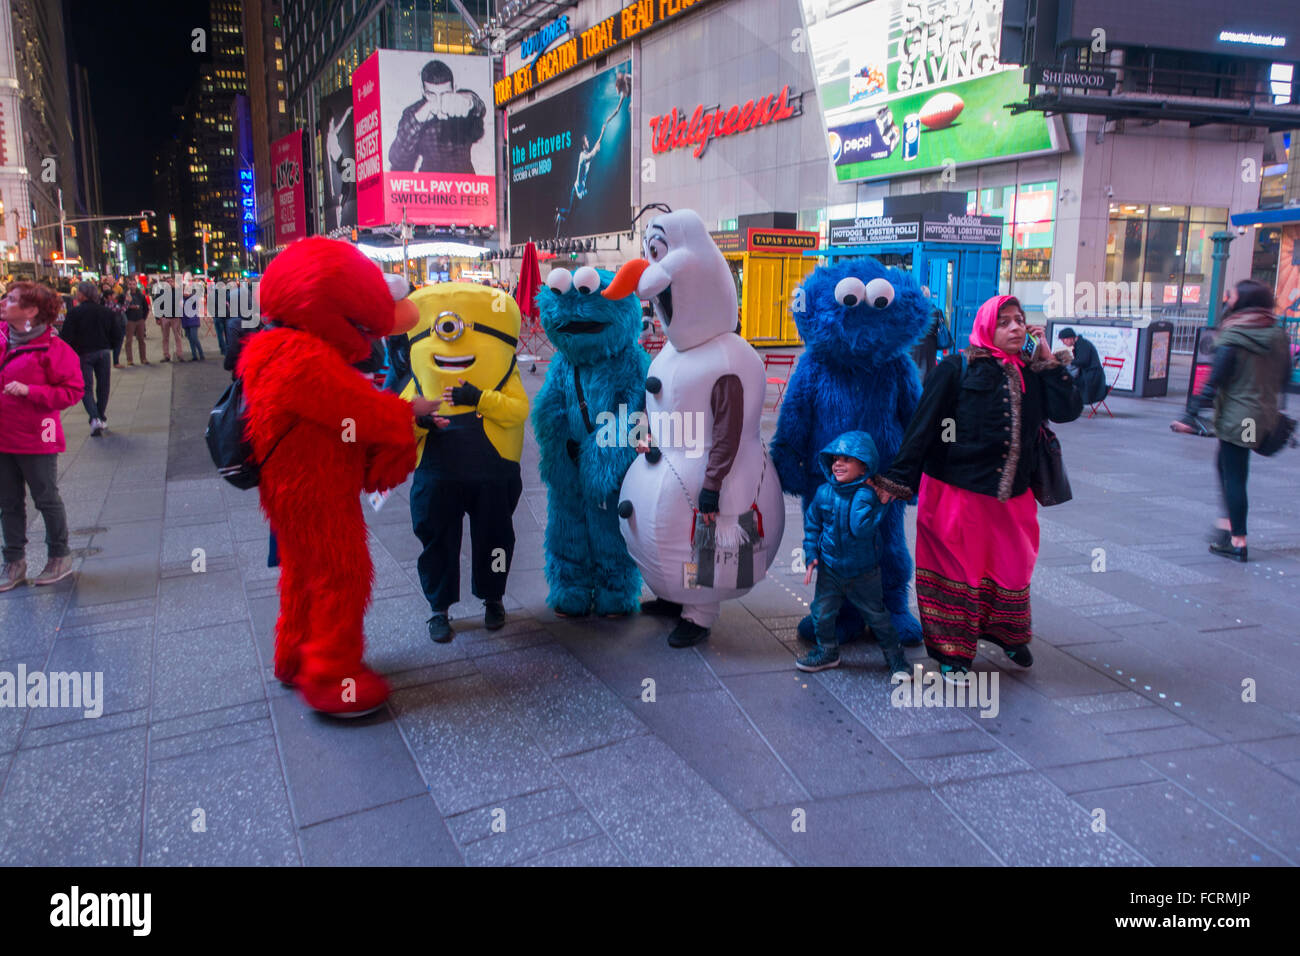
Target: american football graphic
[(941, 110)]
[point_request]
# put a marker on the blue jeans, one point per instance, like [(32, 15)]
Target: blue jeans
[(863, 592), (219, 324), (196, 350)]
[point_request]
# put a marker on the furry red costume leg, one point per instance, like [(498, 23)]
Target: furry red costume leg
[(324, 434)]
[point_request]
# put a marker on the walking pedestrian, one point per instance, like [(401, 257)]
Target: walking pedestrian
[(190, 323), (111, 299), (969, 450), (1252, 364), (91, 330), (39, 377), (168, 305), (136, 311)]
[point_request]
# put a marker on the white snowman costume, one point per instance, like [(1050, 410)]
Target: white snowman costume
[(688, 281)]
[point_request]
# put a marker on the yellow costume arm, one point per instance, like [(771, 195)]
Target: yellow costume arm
[(507, 408)]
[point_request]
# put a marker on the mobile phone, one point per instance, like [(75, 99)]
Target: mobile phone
[(1029, 348)]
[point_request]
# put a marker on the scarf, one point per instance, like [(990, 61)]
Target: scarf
[(1249, 319), (19, 337), (986, 322)]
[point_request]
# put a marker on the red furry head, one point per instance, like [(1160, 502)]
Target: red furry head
[(328, 288)]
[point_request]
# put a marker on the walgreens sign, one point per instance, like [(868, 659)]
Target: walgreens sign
[(674, 130)]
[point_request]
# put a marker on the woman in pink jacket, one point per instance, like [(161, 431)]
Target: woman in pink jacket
[(40, 375)]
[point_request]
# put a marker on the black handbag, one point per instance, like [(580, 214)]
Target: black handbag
[(1048, 481), (1282, 435)]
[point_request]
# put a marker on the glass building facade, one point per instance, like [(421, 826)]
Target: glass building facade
[(325, 40)]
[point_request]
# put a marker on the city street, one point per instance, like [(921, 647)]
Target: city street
[(1159, 725)]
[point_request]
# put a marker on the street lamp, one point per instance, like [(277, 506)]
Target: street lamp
[(258, 249)]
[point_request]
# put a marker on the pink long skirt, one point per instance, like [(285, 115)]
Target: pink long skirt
[(974, 558)]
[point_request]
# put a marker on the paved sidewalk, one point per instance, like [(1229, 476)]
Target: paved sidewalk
[(1133, 707)]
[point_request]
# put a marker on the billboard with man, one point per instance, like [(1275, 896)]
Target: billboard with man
[(425, 144)]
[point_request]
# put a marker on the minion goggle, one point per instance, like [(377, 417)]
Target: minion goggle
[(449, 327)]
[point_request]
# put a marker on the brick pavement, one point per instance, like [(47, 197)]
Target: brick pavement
[(1134, 706)]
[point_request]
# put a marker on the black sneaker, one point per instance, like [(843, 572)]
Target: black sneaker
[(959, 674), (819, 659), (1020, 655), (661, 608), (1228, 551), (687, 634), (898, 668), (440, 631), (494, 615)]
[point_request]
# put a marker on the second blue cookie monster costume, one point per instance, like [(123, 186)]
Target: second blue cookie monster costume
[(598, 367), (858, 321)]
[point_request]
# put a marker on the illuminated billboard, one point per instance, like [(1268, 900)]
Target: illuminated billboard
[(424, 142), (913, 86)]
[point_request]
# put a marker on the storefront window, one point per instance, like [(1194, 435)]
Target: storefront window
[(1165, 246), (1028, 213)]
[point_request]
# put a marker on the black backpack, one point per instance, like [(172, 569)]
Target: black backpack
[(227, 438)]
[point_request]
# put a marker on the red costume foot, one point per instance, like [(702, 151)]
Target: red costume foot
[(334, 435), (361, 694)]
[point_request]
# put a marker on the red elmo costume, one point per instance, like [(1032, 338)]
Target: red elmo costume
[(334, 435)]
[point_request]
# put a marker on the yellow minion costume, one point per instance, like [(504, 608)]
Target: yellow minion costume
[(465, 340)]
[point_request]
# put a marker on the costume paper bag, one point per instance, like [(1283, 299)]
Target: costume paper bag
[(716, 566)]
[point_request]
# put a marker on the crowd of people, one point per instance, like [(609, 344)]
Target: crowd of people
[(976, 527), (60, 344)]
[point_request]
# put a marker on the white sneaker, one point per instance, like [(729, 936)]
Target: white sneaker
[(96, 428)]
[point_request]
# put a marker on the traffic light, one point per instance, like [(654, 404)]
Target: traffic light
[(72, 231), (22, 232), (144, 227), (354, 233)]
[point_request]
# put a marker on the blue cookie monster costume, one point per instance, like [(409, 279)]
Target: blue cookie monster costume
[(582, 435), (859, 321)]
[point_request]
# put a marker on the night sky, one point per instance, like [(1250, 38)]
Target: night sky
[(138, 57)]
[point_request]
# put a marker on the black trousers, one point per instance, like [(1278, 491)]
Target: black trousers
[(438, 509), (39, 473), (1234, 469), (96, 365)]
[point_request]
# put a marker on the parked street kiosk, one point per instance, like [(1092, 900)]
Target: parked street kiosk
[(767, 265), (955, 255)]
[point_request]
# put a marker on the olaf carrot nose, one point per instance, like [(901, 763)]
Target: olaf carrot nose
[(629, 275)]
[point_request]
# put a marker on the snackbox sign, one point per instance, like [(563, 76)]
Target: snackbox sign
[(596, 41), (929, 227), (674, 131)]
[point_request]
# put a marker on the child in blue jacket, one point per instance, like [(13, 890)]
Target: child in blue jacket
[(842, 541)]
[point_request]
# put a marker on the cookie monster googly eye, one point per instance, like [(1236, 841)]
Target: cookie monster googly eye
[(880, 294), (850, 291), (560, 281), (586, 280), (449, 326)]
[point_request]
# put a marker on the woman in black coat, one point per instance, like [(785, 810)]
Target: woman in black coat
[(969, 453)]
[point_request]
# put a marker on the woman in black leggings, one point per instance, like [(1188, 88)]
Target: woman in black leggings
[(1251, 369)]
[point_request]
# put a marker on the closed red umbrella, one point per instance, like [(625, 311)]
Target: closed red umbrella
[(530, 280)]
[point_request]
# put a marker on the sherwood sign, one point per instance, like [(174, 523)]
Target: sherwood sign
[(1082, 79)]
